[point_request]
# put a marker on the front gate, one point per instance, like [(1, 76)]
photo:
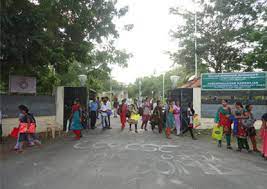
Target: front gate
[(184, 96), (70, 94)]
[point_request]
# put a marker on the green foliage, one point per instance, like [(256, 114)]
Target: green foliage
[(258, 57), (56, 40), (155, 83), (227, 30)]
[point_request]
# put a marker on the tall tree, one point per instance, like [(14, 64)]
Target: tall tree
[(42, 37), (257, 58), (223, 27)]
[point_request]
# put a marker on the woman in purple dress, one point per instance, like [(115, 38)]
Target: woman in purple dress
[(176, 113)]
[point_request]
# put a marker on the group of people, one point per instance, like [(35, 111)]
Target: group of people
[(239, 122), (100, 109), (168, 116)]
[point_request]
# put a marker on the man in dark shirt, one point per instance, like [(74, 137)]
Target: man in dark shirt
[(93, 112)]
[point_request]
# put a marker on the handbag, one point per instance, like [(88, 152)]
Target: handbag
[(247, 123), (32, 128), (15, 132), (217, 132), (109, 112), (23, 127)]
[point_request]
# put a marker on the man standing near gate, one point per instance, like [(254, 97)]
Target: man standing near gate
[(93, 112)]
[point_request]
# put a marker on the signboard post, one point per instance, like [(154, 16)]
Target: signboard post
[(234, 81)]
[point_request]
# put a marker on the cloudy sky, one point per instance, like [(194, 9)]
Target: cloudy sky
[(149, 40)]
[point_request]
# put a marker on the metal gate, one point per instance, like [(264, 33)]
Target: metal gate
[(184, 96), (70, 94)]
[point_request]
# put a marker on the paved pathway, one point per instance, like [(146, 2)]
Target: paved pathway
[(113, 159)]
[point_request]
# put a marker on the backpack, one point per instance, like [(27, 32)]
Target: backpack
[(249, 122)]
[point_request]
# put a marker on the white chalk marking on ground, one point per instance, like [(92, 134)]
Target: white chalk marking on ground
[(214, 168), (130, 146), (100, 145), (150, 147), (29, 183), (167, 156), (160, 181), (206, 164), (167, 146), (79, 146), (178, 182), (114, 145), (100, 156), (170, 171), (145, 172), (181, 169)]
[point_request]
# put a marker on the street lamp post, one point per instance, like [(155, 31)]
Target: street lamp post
[(110, 96), (163, 87), (140, 92), (174, 80), (195, 36)]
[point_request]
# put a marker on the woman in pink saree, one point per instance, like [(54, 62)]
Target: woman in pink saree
[(264, 136), (176, 113)]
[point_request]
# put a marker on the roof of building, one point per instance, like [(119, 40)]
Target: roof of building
[(193, 83)]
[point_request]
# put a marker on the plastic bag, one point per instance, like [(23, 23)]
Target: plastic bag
[(196, 121), (109, 112), (217, 132), (67, 125)]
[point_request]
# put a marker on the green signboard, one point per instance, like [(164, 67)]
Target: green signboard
[(234, 81)]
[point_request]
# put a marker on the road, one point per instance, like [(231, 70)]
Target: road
[(112, 159)]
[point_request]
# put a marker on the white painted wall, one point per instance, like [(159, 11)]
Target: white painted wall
[(60, 106), (197, 100)]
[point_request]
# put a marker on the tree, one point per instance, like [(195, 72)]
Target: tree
[(223, 28), (257, 58), (155, 83), (52, 35)]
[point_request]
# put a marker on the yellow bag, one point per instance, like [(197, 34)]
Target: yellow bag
[(135, 117), (217, 132), (196, 121)]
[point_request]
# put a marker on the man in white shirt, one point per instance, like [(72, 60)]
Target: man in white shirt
[(109, 112), (104, 114)]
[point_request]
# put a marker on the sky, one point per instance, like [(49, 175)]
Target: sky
[(149, 40)]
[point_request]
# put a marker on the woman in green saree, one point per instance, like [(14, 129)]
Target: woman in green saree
[(222, 119)]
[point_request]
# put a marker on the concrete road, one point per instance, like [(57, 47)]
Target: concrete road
[(112, 159)]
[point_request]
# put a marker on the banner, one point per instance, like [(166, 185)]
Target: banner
[(21, 84), (234, 81)]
